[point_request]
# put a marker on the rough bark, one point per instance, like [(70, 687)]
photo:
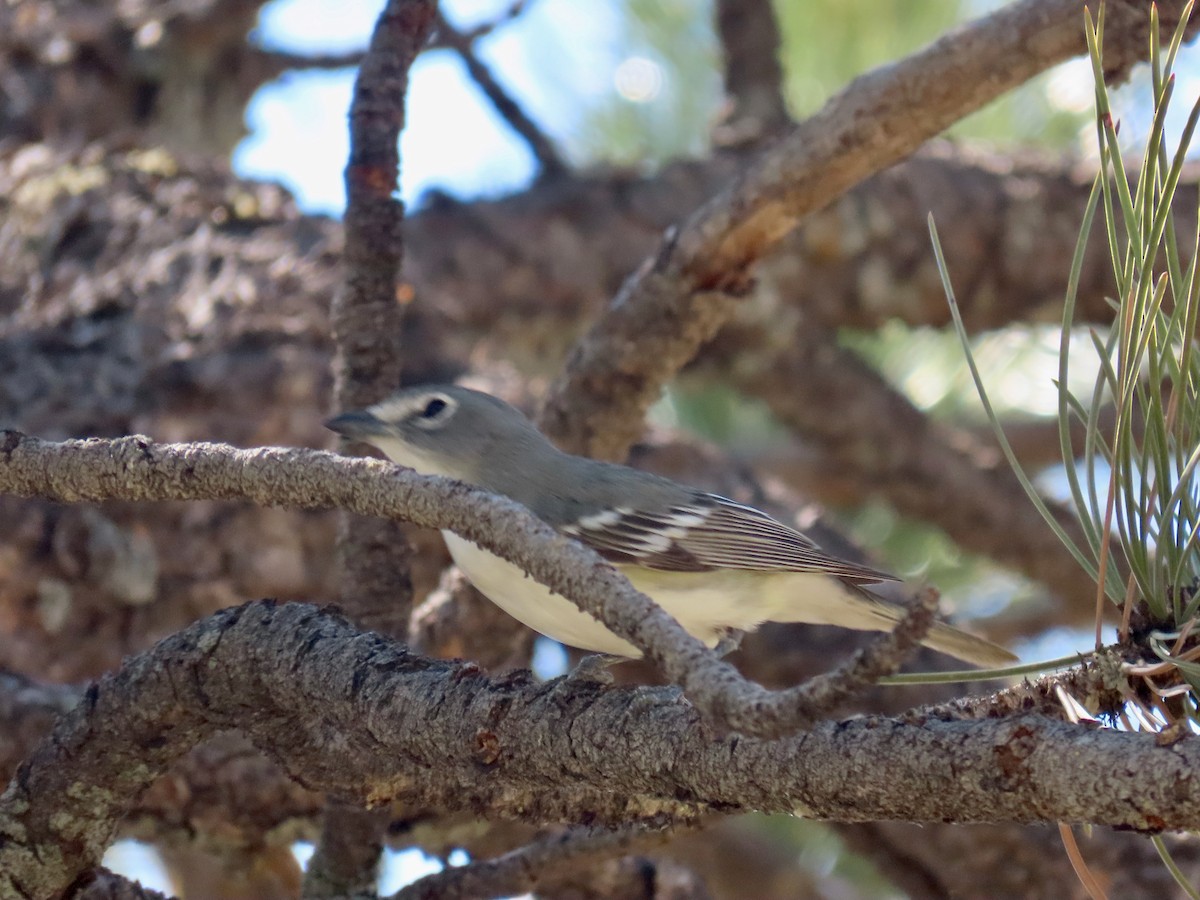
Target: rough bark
[(554, 752), (136, 468)]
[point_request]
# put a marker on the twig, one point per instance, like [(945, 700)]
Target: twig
[(753, 76), (522, 870), (821, 695), (279, 61), (101, 884), (136, 468), (515, 9), (688, 289), (508, 108)]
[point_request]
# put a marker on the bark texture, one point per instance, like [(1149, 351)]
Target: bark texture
[(553, 752)]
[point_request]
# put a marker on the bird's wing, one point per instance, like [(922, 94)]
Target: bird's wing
[(708, 532)]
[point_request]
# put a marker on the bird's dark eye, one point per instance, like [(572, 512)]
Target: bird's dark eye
[(433, 408)]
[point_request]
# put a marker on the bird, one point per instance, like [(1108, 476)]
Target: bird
[(718, 567)]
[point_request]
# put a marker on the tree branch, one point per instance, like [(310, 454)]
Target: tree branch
[(276, 62), (443, 733), (136, 469), (524, 869), (310, 479), (346, 861), (224, 796), (366, 317), (682, 295), (753, 76), (509, 109), (101, 884)]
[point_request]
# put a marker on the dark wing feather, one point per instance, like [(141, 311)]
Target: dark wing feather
[(709, 532)]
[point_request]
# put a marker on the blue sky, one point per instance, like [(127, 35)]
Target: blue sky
[(454, 140)]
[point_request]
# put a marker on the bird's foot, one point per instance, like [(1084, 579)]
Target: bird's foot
[(730, 641), (595, 668)]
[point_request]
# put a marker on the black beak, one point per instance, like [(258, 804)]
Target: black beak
[(357, 425)]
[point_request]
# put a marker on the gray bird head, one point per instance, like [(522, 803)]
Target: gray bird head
[(446, 430)]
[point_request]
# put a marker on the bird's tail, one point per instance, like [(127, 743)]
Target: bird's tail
[(967, 647), (821, 600), (943, 637), (855, 606)]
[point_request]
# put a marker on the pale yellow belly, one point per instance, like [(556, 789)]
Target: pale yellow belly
[(706, 604)]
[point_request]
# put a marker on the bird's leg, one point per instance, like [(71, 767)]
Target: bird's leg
[(730, 641), (594, 667)]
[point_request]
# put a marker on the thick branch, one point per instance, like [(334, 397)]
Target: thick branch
[(681, 296), (225, 795), (408, 727), (557, 252), (376, 586)]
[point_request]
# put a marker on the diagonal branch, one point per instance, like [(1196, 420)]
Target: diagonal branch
[(522, 870), (682, 295), (407, 728), (134, 468), (508, 108)]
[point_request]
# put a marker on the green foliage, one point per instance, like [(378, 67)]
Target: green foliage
[(1016, 362), (1154, 369), (1149, 370), (720, 414)]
